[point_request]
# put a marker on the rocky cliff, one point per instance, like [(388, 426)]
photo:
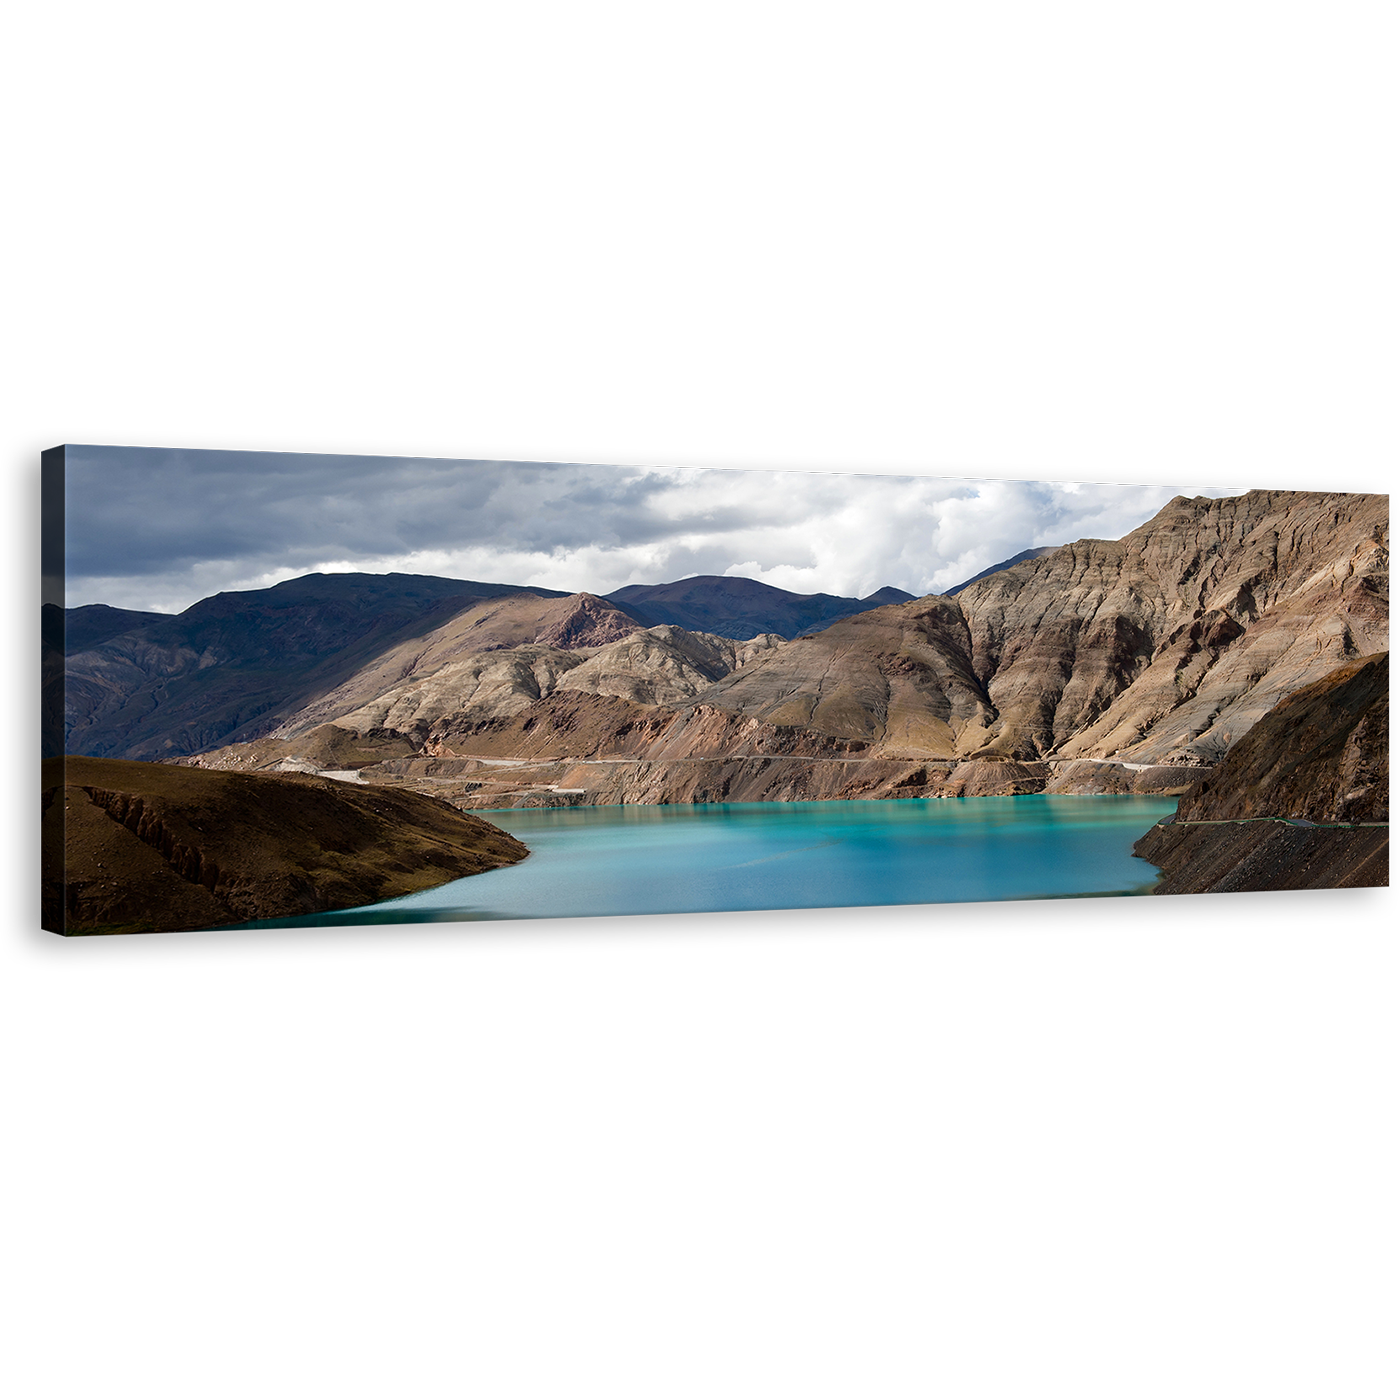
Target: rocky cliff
[(1322, 754), (141, 847), (1301, 802), (1162, 647)]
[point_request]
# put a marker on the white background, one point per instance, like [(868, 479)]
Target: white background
[(1093, 1148), (1159, 233), (1155, 1169)]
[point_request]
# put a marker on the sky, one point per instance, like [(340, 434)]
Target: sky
[(159, 529)]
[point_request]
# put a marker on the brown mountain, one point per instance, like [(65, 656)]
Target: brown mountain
[(235, 665), (139, 847), (1321, 754), (1124, 665), (412, 695), (1301, 802), (1162, 647), (509, 649)]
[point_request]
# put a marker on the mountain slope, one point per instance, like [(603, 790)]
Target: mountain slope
[(900, 677), (133, 847), (95, 623), (233, 665), (1163, 647), (437, 684), (515, 646), (1319, 756)]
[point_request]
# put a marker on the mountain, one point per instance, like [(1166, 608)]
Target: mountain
[(69, 630), (95, 623), (1301, 802), (232, 666), (1101, 666), (414, 690), (52, 666), (1021, 558), (138, 847), (502, 653), (741, 608), (1161, 648), (1321, 754), (51, 627), (881, 596)]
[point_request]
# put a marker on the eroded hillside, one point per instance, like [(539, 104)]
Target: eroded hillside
[(1102, 665), (1302, 802)]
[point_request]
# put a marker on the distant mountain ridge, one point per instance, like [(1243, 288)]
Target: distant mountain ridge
[(1021, 558), (96, 623), (234, 666), (740, 608), (228, 667)]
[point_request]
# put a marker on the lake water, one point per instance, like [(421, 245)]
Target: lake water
[(792, 855)]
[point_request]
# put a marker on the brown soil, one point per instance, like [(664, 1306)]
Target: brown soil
[(143, 847), (1265, 855)]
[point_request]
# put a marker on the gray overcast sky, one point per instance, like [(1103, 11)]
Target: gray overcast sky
[(161, 528)]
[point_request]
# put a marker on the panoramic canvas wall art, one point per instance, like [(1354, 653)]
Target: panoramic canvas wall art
[(288, 689)]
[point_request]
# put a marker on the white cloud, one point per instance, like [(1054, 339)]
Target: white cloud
[(600, 528)]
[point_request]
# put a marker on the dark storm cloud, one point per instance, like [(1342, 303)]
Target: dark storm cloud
[(154, 528), (134, 511)]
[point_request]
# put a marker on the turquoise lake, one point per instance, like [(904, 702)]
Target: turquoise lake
[(791, 855)]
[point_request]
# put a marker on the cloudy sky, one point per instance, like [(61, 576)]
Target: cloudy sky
[(159, 529)]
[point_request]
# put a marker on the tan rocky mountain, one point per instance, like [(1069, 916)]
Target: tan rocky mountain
[(1301, 802), (543, 634), (572, 749), (899, 678), (1118, 666), (1162, 647), (139, 847), (665, 665), (653, 666)]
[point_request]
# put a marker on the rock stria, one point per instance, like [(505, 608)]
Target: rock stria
[(1164, 647), (1319, 756), (141, 847)]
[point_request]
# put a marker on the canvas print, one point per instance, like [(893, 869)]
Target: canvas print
[(287, 689)]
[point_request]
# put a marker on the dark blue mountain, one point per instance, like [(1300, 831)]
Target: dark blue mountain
[(741, 607)]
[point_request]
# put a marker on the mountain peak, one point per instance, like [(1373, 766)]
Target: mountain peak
[(584, 620)]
